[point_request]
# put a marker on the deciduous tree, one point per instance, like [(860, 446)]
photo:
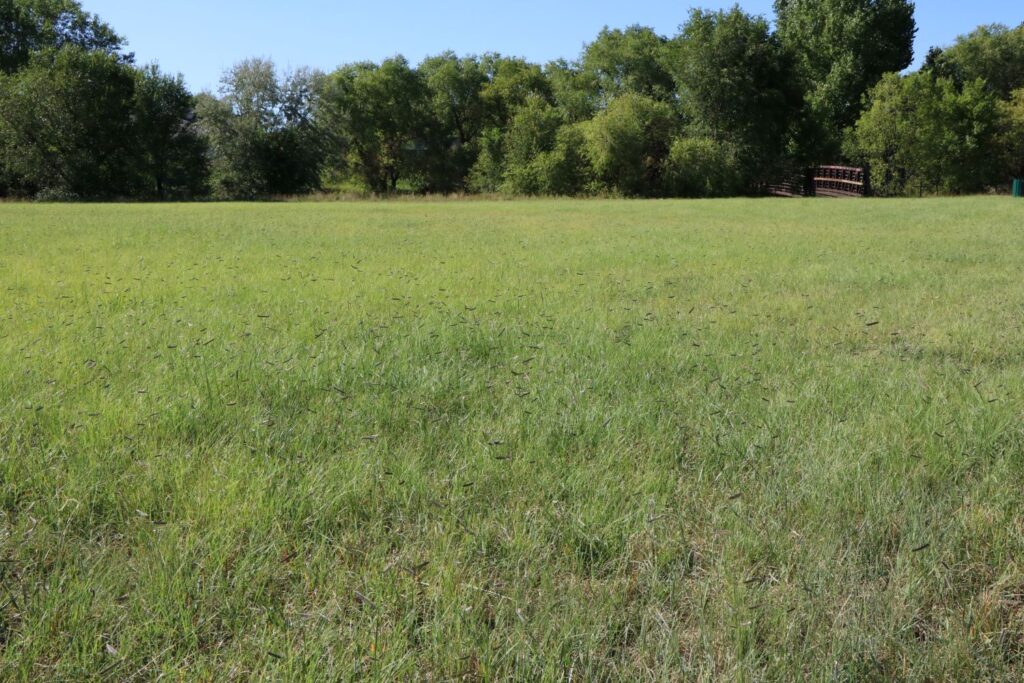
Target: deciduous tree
[(543, 155), (842, 48), (66, 127), (736, 84), (627, 144), (924, 134), (994, 53), (170, 153), (263, 132), (629, 61), (28, 26), (377, 117)]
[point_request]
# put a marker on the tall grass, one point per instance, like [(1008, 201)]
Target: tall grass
[(549, 440)]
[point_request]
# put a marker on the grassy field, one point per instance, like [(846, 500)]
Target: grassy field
[(552, 440)]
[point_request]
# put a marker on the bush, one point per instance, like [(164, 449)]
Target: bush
[(1011, 114), (627, 144), (922, 134), (702, 167), (563, 170), (66, 126), (485, 175)]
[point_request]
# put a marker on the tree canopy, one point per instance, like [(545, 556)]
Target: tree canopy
[(31, 26), (728, 104), (993, 53), (923, 134), (736, 83), (263, 132), (842, 48)]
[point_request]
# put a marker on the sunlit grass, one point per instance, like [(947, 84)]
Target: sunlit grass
[(538, 440)]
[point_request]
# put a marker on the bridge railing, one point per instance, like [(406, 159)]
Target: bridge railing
[(824, 181)]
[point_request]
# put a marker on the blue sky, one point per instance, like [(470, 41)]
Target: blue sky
[(201, 38)]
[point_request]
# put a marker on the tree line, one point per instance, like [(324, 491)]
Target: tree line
[(726, 105)]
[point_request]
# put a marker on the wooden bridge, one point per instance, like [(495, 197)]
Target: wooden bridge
[(824, 181)]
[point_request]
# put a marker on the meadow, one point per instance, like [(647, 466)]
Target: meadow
[(540, 440)]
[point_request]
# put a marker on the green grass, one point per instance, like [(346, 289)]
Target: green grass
[(551, 440)]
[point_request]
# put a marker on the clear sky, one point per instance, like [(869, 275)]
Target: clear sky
[(201, 38)]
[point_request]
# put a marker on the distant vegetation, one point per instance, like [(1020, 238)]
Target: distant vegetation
[(724, 106)]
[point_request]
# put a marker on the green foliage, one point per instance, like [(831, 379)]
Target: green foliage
[(378, 118), (736, 84), (459, 117), (531, 132), (923, 134), (724, 107), (78, 121), (570, 170), (510, 83), (575, 91), (486, 174), (542, 156), (842, 49), (1011, 136), (66, 125), (704, 167), (629, 61), (172, 153), (994, 53), (29, 26), (627, 144), (455, 86), (263, 132)]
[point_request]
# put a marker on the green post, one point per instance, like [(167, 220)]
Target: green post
[(1018, 187)]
